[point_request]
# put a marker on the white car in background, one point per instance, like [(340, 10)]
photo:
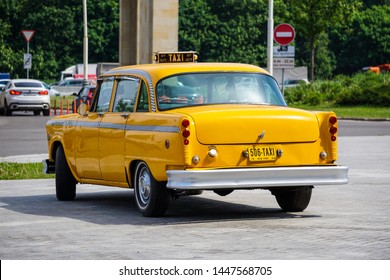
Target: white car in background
[(294, 82), (52, 91), (3, 83), (25, 95)]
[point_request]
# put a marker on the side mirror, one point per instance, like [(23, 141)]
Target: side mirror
[(83, 109)]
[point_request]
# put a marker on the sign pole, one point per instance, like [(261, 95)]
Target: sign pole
[(284, 34), (28, 55), (27, 60), (270, 40), (85, 41)]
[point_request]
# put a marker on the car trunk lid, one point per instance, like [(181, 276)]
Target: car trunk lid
[(247, 124)]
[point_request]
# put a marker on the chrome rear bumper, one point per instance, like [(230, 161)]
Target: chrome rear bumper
[(35, 106), (252, 178)]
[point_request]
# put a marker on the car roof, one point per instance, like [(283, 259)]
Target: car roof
[(159, 70)]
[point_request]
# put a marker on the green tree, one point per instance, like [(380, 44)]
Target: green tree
[(365, 42), (225, 30), (11, 57), (313, 17), (103, 26), (58, 39)]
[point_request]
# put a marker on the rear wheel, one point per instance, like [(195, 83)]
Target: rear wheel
[(223, 192), (65, 181), (7, 110), (293, 200), (152, 197), (46, 112), (37, 113)]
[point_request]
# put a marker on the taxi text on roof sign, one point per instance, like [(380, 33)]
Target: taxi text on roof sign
[(175, 57)]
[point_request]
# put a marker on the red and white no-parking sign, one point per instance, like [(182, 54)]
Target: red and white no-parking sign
[(284, 34)]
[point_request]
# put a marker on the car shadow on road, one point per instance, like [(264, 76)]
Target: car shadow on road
[(118, 208)]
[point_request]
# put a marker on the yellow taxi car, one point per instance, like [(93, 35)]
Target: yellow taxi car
[(173, 129)]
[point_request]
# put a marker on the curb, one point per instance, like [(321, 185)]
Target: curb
[(25, 158)]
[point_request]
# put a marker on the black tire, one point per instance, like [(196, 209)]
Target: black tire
[(46, 112), (293, 200), (65, 181), (37, 113), (223, 192), (7, 110), (152, 197)]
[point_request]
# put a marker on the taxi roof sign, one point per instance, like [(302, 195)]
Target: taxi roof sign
[(175, 57)]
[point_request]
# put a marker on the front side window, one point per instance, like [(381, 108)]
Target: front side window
[(217, 88), (103, 96)]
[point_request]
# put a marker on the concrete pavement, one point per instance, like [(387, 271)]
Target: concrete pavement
[(24, 158)]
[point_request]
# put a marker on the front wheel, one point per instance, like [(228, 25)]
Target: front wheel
[(293, 200), (65, 181), (152, 197)]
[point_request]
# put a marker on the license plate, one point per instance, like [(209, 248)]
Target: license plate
[(262, 153)]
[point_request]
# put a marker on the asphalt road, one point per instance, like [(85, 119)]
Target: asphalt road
[(342, 222)]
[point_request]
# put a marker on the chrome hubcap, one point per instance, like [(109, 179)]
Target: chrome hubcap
[(144, 186)]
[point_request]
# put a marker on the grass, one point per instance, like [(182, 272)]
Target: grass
[(358, 112), (65, 101), (21, 171)]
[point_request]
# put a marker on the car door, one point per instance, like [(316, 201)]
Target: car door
[(112, 129), (87, 133)]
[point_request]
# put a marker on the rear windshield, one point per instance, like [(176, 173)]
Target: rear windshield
[(28, 84), (217, 88)]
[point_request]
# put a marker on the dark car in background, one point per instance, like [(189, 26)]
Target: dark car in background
[(71, 82), (85, 95)]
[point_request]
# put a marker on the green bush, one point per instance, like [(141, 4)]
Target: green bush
[(360, 89)]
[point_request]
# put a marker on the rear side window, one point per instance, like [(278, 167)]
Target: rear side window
[(143, 100), (126, 91)]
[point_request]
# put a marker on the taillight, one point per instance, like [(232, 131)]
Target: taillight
[(15, 92), (333, 119), (44, 92), (185, 132), (185, 123), (333, 128)]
